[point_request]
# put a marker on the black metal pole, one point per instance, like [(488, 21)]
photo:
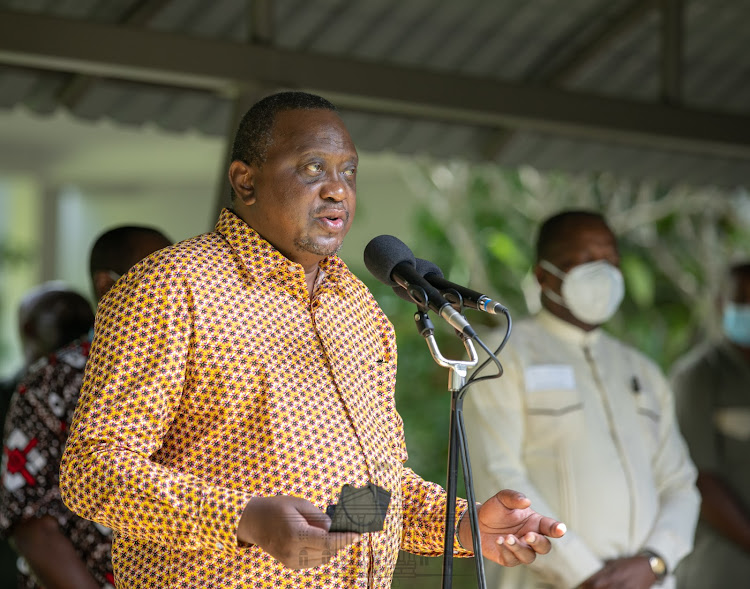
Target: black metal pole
[(470, 497), (450, 487)]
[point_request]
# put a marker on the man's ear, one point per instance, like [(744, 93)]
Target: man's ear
[(241, 178)]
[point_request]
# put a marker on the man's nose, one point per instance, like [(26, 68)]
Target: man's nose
[(336, 189)]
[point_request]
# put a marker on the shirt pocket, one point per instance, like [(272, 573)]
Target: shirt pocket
[(382, 376), (554, 415), (649, 414)]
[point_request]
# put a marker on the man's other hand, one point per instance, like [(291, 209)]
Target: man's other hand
[(622, 573), (292, 530)]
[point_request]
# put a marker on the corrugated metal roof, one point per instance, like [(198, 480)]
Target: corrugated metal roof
[(601, 47)]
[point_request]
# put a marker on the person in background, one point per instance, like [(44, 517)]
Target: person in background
[(239, 379), (585, 425), (712, 389), (49, 316), (58, 549)]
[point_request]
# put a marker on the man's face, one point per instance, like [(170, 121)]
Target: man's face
[(589, 240), (145, 245), (739, 291), (302, 199)]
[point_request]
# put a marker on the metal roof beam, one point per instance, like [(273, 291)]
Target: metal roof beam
[(79, 85), (261, 26), (597, 43), (228, 67), (672, 31), (565, 70), (143, 11)]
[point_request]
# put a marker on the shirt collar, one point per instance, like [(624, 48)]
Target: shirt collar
[(259, 256), (566, 331)]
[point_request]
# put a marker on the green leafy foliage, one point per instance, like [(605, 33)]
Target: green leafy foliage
[(639, 280)]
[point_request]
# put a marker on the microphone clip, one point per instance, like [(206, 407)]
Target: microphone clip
[(425, 326), (458, 368)]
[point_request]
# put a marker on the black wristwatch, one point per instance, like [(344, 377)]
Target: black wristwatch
[(657, 564)]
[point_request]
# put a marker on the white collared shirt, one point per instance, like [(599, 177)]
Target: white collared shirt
[(584, 426)]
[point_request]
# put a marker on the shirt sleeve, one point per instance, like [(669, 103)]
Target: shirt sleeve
[(694, 406), (494, 414), (674, 474), (33, 442), (424, 517), (132, 388)]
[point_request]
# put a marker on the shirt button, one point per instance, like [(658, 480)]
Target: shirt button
[(291, 268)]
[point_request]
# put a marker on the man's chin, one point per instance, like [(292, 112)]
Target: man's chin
[(323, 248)]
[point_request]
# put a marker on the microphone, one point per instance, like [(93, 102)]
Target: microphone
[(392, 262), (455, 293), (423, 267)]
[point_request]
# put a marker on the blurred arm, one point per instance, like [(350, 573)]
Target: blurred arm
[(132, 388), (679, 501), (51, 556), (723, 510)]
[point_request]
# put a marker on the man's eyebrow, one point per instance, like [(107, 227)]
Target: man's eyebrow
[(324, 153)]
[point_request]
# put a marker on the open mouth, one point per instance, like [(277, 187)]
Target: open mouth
[(333, 219)]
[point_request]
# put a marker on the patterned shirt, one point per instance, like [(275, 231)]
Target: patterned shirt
[(35, 434), (585, 425), (215, 377)]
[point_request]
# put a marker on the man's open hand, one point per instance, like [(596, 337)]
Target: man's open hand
[(511, 532)]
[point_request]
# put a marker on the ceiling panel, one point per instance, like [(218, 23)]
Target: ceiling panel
[(592, 47)]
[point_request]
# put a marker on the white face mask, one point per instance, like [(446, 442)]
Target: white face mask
[(592, 292)]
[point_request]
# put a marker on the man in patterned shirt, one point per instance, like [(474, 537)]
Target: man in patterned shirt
[(238, 379), (58, 548)]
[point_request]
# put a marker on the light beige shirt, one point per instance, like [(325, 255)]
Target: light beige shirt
[(584, 426)]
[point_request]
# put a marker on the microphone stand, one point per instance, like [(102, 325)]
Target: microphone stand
[(456, 446)]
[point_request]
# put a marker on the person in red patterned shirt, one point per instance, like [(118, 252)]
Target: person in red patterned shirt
[(59, 549), (50, 316), (238, 379)]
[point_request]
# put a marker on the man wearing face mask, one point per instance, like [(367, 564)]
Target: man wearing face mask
[(585, 425), (713, 408)]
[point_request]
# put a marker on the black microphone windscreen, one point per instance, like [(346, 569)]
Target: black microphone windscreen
[(383, 254), (425, 267)]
